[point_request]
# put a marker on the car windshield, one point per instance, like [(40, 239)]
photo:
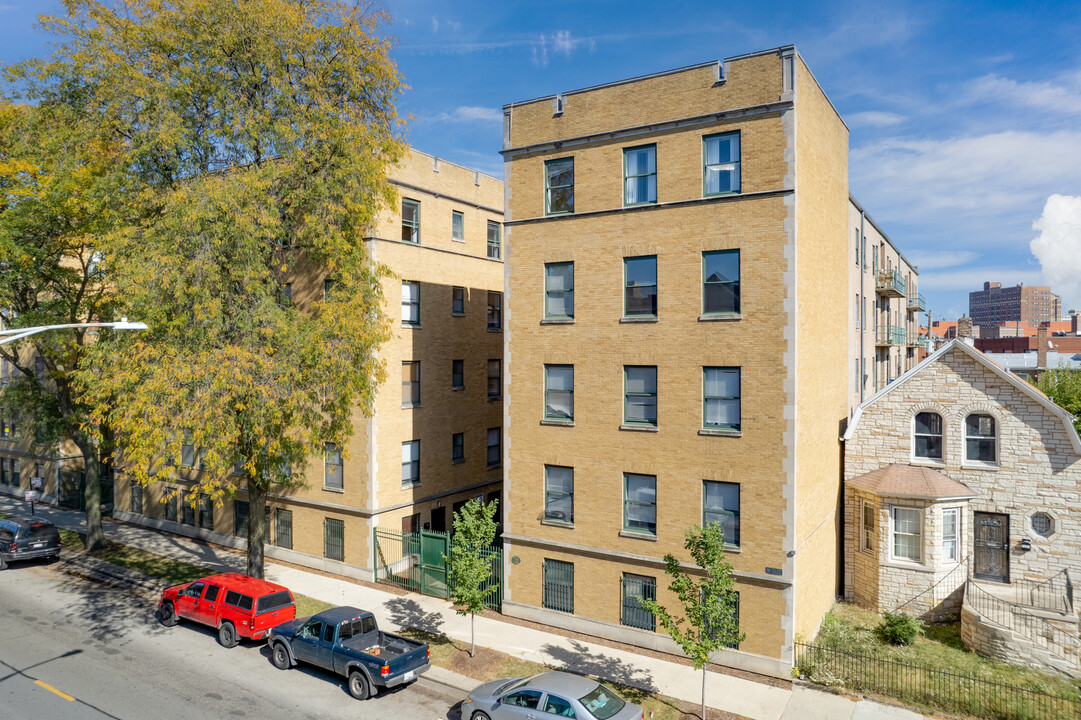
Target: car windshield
[(274, 601), (510, 685), (603, 703)]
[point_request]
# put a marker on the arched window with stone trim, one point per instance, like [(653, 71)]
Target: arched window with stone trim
[(981, 438), (927, 436)]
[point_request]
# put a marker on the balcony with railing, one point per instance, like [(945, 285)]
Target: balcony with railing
[(914, 339), (886, 335), (890, 283), (916, 302)]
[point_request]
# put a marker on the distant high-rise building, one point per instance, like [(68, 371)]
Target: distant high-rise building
[(996, 304)]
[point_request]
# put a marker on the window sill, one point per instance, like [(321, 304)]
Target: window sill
[(497, 466), (494, 398), (927, 462), (457, 314), (902, 564), (411, 407), (495, 329), (457, 240), (732, 549), (557, 321), (633, 320), (410, 486), (637, 535), (457, 462), (327, 488), (557, 423), (557, 523), (639, 428), (456, 389), (412, 326), (720, 317), (717, 432), (979, 466)]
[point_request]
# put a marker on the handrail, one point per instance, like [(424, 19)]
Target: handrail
[(1009, 616), (934, 596)]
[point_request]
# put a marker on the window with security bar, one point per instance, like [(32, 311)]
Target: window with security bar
[(559, 585), (284, 525), (635, 589), (334, 539)]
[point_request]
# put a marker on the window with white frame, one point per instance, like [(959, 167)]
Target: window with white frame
[(495, 246), (457, 226), (640, 175), (721, 164), (640, 395), (907, 533), (721, 398), (980, 438), (720, 504), (867, 526), (332, 472), (559, 392), (927, 436), (640, 503), (720, 282), (495, 379), (410, 383), (410, 302), (951, 533), (559, 493), (410, 463), (410, 220)]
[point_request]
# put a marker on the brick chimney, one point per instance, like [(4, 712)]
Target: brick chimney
[(1041, 345), (964, 328)]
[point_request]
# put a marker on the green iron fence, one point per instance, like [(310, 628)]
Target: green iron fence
[(414, 561)]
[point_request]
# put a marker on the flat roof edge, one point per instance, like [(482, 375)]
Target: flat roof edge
[(867, 216), (649, 76)]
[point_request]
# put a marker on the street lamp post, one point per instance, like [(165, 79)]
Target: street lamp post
[(7, 336)]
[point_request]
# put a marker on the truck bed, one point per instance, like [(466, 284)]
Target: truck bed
[(381, 645)]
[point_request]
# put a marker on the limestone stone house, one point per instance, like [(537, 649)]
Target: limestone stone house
[(963, 495)]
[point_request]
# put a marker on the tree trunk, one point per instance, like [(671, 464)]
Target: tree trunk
[(472, 636), (95, 533), (703, 692), (256, 527)]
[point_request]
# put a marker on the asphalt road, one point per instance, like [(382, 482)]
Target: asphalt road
[(71, 649)]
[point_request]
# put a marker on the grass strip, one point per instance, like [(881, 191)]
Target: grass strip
[(491, 664)]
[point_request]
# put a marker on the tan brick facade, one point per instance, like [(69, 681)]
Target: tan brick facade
[(790, 341), (373, 494)]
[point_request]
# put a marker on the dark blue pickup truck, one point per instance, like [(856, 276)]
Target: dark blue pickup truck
[(348, 642)]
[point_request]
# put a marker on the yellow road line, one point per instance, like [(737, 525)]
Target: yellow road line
[(51, 689)]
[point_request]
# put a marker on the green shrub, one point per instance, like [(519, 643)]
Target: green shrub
[(899, 629)]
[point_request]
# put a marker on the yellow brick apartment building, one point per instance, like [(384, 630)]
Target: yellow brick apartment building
[(677, 346), (435, 439)]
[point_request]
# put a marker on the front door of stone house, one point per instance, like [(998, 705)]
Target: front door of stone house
[(992, 547)]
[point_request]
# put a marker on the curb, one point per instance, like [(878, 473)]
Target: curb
[(460, 684)]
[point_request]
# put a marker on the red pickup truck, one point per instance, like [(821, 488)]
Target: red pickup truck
[(237, 605)]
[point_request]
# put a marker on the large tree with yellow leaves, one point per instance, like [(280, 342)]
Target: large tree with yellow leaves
[(257, 136)]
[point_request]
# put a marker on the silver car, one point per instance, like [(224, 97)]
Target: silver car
[(545, 697)]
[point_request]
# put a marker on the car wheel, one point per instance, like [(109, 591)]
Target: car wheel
[(227, 635), (479, 715), (167, 615), (280, 656), (358, 685)]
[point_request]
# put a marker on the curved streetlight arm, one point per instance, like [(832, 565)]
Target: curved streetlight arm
[(7, 336)]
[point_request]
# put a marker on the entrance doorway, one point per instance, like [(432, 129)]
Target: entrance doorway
[(992, 547)]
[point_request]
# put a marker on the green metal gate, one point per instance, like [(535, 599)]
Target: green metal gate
[(433, 569), (414, 561)]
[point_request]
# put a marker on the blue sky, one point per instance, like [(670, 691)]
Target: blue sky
[(965, 119)]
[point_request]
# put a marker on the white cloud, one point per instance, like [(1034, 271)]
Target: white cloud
[(1062, 97), (972, 278), (1058, 247), (471, 113), (560, 43), (874, 118), (933, 260), (987, 176), (435, 24)]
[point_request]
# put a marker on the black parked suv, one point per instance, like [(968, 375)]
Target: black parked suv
[(23, 538)]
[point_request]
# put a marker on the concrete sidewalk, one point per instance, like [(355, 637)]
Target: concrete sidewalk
[(733, 694)]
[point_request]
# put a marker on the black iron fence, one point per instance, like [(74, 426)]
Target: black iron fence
[(930, 688)]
